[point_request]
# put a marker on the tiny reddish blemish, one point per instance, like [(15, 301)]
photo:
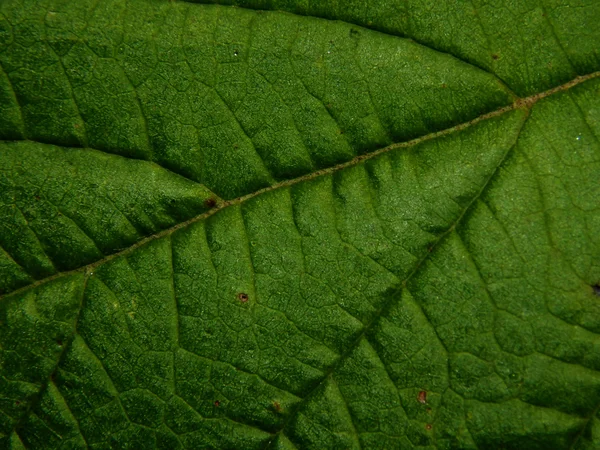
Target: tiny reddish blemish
[(210, 202), (243, 297), (422, 397), (277, 406), (217, 403), (428, 426)]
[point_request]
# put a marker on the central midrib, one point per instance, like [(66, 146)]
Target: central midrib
[(521, 103)]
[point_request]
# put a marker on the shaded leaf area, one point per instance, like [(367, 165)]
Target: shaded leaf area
[(438, 296), (231, 98), (61, 208), (532, 45)]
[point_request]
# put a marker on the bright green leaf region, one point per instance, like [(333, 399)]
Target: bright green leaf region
[(300, 224)]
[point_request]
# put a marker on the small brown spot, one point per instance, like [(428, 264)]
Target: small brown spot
[(422, 397), (444, 85), (37, 197), (428, 426), (243, 297), (17, 402), (217, 403), (277, 406), (59, 342), (210, 202), (596, 289), (495, 56)]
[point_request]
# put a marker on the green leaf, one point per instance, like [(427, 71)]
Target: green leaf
[(296, 224)]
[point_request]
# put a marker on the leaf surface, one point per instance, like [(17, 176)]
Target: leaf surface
[(227, 227)]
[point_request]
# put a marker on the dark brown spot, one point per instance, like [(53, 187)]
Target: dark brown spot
[(596, 289), (37, 197), (17, 402), (210, 202), (422, 397), (428, 426), (495, 56), (217, 403), (277, 406), (243, 297), (59, 342), (444, 85)]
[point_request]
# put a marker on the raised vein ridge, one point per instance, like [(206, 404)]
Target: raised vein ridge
[(521, 103)]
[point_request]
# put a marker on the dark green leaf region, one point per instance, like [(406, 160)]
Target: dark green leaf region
[(300, 224)]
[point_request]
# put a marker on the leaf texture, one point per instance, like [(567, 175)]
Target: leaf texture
[(226, 227)]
